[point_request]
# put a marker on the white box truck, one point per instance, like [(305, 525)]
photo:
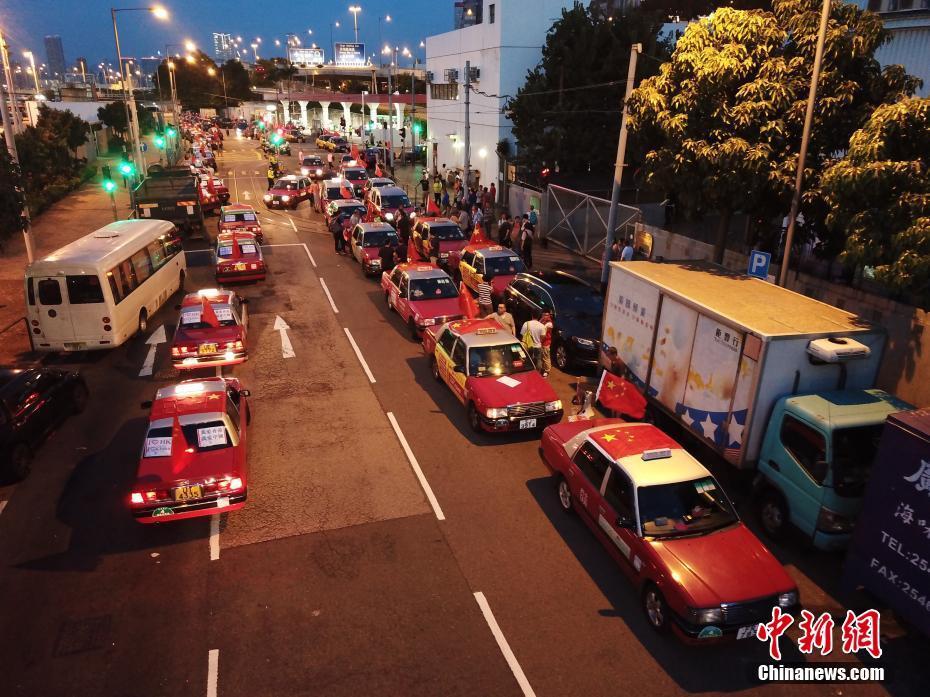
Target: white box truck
[(769, 378)]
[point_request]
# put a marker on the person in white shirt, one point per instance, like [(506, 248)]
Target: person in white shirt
[(504, 318), (627, 253), (532, 334)]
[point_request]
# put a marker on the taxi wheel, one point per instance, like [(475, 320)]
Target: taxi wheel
[(387, 299), (143, 321), (434, 368), (561, 356), (565, 495), (474, 420), (181, 278), (656, 608)]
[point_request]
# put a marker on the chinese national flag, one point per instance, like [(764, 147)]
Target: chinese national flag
[(207, 314), (412, 254), (477, 237), (236, 252), (621, 396), (211, 187), (178, 444), (354, 151), (432, 208), (467, 303), (378, 171), (346, 192)]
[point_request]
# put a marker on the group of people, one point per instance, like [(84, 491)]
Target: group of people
[(535, 334)]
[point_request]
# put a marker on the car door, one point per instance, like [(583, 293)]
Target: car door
[(517, 301), (585, 477), (797, 465), (358, 237), (403, 298), (467, 269), (443, 354), (457, 377), (617, 520)]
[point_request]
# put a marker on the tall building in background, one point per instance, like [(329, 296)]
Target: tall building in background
[(55, 57), (223, 48)]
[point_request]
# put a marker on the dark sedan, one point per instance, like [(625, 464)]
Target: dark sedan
[(576, 307), (33, 402)]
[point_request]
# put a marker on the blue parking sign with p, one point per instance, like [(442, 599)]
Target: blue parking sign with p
[(759, 264)]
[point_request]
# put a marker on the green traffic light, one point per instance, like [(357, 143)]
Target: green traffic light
[(170, 131), (109, 185), (159, 142), (417, 128), (126, 168)]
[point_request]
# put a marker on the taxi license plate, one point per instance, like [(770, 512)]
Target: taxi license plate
[(747, 632), (186, 493), (240, 267), (206, 349), (527, 423)]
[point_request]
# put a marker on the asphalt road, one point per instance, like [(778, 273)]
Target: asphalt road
[(340, 576)]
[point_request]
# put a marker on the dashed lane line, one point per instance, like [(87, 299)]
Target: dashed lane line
[(358, 353), (504, 646), (415, 466), (329, 295), (306, 249), (213, 669), (214, 537)]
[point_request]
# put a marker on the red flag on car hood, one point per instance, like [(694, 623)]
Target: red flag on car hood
[(467, 303), (617, 394), (346, 191), (236, 252), (432, 208)]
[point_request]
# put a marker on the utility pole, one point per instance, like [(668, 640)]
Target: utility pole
[(467, 164), (391, 113), (805, 139), (635, 50), (131, 123), (413, 113), (11, 143)]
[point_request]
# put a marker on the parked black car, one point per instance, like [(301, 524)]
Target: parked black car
[(33, 402), (576, 308)]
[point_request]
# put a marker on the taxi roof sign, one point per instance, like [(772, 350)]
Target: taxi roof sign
[(486, 330), (657, 454)]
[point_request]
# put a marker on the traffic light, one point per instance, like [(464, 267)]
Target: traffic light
[(109, 186), (276, 139), (170, 131), (127, 169), (402, 132), (159, 142), (417, 129)]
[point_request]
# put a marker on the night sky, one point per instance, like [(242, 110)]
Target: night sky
[(86, 29)]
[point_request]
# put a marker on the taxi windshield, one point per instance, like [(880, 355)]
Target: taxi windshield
[(355, 175), (333, 192), (206, 435), (434, 288), (377, 238), (191, 317), (226, 251), (312, 162), (289, 184), (503, 266), (395, 201), (506, 359), (684, 508), (239, 217), (446, 232)]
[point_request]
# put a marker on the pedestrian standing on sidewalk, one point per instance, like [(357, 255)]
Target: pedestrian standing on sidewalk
[(445, 200), (464, 220), (484, 295), (437, 190), (546, 348), (492, 191), (503, 229), (335, 227), (534, 217), (403, 226), (516, 232), (627, 253), (526, 241), (531, 334), (424, 186)]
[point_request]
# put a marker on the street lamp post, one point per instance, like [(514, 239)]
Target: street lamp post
[(32, 63), (332, 43), (386, 18), (355, 9)]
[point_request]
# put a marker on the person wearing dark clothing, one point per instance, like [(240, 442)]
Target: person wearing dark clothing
[(526, 241), (335, 227), (424, 186), (386, 254), (472, 198), (403, 226), (503, 229)]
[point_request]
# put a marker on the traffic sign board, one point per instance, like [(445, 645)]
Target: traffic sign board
[(759, 264)]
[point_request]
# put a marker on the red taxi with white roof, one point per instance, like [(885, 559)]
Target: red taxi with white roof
[(366, 241), (438, 238), (211, 330), (385, 202), (240, 217), (664, 518), (287, 192), (238, 258), (491, 373), (193, 460), (499, 265), (423, 295)]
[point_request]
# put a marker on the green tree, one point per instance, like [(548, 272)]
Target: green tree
[(113, 115), (237, 81), (720, 126), (11, 196), (879, 197), (196, 87), (565, 112)]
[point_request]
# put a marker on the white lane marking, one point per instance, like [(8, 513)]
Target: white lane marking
[(329, 295), (214, 537), (235, 185), (307, 250), (358, 353), (213, 669), (504, 646), (157, 337), (291, 220), (416, 467), (2, 506), (246, 196), (287, 351)]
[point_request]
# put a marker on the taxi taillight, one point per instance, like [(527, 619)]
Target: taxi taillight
[(178, 350), (235, 483), (136, 497), (234, 345)]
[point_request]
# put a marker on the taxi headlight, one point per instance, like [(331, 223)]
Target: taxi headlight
[(304, 171), (319, 171), (389, 216), (554, 406), (374, 262), (285, 198), (267, 197), (788, 599), (713, 615), (443, 255), (429, 322), (496, 412)]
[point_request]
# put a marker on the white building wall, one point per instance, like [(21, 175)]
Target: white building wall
[(503, 51)]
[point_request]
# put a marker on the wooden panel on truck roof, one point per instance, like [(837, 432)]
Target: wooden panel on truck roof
[(762, 307)]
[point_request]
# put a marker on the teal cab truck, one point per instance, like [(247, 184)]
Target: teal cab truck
[(770, 379)]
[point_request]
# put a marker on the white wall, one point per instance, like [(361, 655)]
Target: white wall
[(503, 52)]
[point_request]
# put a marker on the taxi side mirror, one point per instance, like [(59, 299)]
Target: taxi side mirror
[(146, 404)]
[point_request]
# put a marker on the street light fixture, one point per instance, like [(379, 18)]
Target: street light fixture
[(355, 9), (32, 62), (190, 46)]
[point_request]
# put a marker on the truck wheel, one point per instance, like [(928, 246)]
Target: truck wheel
[(474, 420), (561, 357), (773, 514), (143, 321), (565, 495), (434, 368), (655, 608)]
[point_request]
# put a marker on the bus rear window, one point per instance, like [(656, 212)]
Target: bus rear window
[(83, 290), (49, 292)]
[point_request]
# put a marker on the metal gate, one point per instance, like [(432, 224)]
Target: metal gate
[(578, 221)]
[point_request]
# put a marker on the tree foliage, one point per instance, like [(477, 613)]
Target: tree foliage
[(565, 113), (720, 125), (237, 81), (879, 197)]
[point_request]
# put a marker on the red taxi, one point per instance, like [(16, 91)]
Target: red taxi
[(331, 190), (219, 188), (436, 239), (341, 209), (288, 192), (193, 460), (475, 262), (490, 372), (211, 330), (240, 217), (209, 201), (357, 178), (662, 516), (238, 258), (384, 203), (366, 242), (422, 294), (312, 166)]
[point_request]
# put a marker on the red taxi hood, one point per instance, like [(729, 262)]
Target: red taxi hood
[(371, 252), (452, 245), (442, 307), (155, 471), (208, 335), (532, 387), (725, 566)]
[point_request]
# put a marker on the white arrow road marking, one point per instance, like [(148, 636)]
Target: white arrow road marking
[(287, 351), (157, 337), (246, 195)]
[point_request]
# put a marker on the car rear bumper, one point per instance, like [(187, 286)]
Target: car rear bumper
[(167, 514), (214, 359), (509, 424), (282, 204), (251, 275)]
